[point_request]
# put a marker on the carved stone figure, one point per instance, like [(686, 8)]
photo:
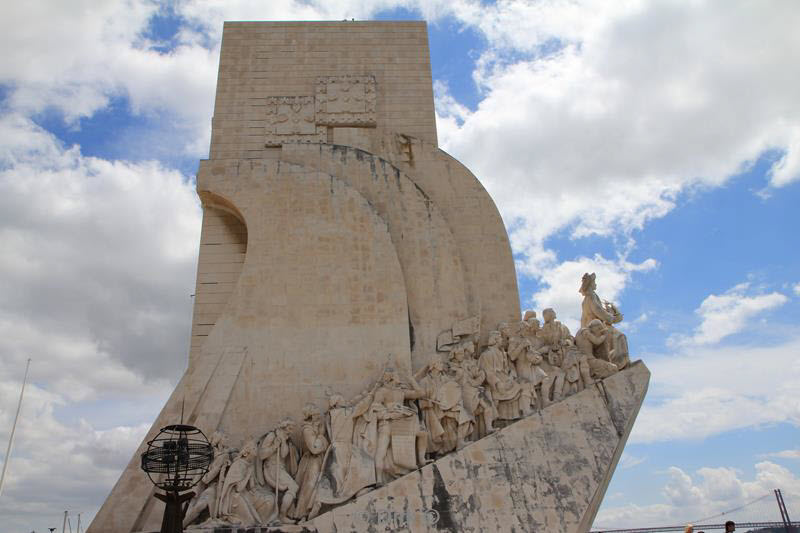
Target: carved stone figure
[(530, 319), (507, 332), (347, 467), (523, 351), (617, 341), (475, 397), (210, 485), (314, 445), (591, 341), (277, 465), (552, 333), (448, 422), (577, 374), (401, 442), (593, 308), (469, 350), (507, 394), (233, 504)]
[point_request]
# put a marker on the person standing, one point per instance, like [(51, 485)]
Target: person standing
[(730, 526)]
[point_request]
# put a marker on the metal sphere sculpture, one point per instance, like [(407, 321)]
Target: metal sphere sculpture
[(175, 461)]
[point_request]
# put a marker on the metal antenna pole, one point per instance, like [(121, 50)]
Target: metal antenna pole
[(64, 524), (14, 428), (79, 523)]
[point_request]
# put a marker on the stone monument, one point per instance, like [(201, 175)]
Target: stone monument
[(357, 351)]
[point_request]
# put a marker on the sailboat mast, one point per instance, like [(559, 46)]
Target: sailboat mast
[(14, 428)]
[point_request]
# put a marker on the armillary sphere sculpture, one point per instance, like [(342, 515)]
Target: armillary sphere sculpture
[(175, 461)]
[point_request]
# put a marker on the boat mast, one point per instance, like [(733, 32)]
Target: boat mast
[(14, 428)]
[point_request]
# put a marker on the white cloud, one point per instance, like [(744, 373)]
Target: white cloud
[(56, 465), (98, 265), (76, 57), (796, 289), (628, 461), (642, 102), (703, 497), (703, 391), (561, 281), (728, 313), (784, 454)]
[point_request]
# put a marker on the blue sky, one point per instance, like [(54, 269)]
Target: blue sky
[(657, 144)]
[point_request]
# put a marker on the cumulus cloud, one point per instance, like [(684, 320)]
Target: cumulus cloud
[(98, 264), (704, 496), (703, 391), (598, 116), (561, 281), (703, 388), (784, 454), (728, 313), (75, 58), (55, 465)]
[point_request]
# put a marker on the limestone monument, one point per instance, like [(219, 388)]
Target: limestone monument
[(357, 353)]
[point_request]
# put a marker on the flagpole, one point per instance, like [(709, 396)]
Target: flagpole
[(14, 428)]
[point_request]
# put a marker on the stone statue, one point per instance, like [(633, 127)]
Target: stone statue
[(314, 445), (210, 485), (448, 422), (469, 350), (523, 350), (591, 341), (277, 465), (347, 467), (593, 308), (618, 342), (401, 442), (530, 319), (507, 394), (552, 333), (577, 374), (475, 397), (233, 504)]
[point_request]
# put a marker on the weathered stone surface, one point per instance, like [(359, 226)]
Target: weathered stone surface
[(542, 474), (624, 392)]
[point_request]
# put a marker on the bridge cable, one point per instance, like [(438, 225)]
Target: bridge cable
[(723, 513)]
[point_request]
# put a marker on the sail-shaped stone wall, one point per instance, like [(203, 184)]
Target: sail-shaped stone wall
[(337, 236)]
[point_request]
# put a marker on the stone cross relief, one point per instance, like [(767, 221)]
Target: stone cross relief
[(403, 422), (340, 101)]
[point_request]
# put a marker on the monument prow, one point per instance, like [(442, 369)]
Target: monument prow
[(545, 473)]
